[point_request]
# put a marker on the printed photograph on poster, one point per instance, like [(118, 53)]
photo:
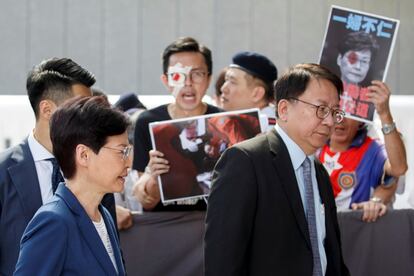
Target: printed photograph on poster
[(193, 145), (358, 47)]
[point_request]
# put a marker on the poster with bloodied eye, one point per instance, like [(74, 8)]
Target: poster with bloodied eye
[(192, 147), (358, 48)]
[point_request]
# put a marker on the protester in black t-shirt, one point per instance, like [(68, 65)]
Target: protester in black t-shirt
[(187, 68)]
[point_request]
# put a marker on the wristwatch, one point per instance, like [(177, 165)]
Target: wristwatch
[(376, 199), (388, 128)]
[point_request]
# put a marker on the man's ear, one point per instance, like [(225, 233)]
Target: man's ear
[(46, 109), (164, 80), (258, 94), (283, 110)]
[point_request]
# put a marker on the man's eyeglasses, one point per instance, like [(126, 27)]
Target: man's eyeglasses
[(126, 152), (196, 76), (323, 111)]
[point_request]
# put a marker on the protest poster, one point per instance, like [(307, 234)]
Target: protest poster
[(358, 48), (193, 145)]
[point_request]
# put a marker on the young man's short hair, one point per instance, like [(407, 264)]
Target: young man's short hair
[(52, 79), (186, 44)]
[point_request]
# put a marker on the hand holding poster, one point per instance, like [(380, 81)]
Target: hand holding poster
[(192, 147), (358, 47)]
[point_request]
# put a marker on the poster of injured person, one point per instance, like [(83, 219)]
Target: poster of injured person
[(358, 47), (193, 145)]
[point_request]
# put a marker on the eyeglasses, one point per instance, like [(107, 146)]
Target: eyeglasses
[(196, 76), (323, 111), (126, 152)]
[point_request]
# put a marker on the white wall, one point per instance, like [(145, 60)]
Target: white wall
[(121, 41)]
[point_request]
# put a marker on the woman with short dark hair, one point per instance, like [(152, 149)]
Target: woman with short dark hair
[(73, 233)]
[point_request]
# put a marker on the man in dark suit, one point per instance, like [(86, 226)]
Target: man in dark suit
[(271, 210), (26, 169)]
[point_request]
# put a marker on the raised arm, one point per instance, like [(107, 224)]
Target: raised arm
[(396, 164)]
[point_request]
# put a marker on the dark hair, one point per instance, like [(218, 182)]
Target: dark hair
[(83, 120), (358, 41), (186, 44), (48, 85), (96, 91), (221, 79), (294, 82), (52, 79), (69, 68)]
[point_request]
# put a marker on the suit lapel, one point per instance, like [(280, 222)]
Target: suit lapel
[(114, 242), (24, 177), (87, 229), (283, 166), (95, 244)]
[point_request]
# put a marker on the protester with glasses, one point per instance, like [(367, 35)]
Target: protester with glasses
[(74, 233), (187, 68), (364, 172)]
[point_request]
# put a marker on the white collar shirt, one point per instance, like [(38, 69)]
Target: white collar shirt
[(44, 167)]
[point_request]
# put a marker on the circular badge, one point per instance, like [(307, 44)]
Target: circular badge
[(346, 180)]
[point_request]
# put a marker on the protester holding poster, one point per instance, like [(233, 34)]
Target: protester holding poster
[(187, 69), (358, 47), (363, 172)]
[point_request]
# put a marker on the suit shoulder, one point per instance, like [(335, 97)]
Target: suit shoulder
[(56, 209), (255, 144), (250, 151), (6, 157), (46, 224), (52, 212)]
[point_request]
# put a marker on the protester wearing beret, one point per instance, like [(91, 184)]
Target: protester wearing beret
[(248, 84)]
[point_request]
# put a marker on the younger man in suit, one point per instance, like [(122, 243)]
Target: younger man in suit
[(271, 210)]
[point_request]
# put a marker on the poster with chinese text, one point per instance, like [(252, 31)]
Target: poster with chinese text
[(358, 48), (192, 147)]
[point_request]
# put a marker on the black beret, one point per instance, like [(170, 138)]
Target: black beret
[(256, 65)]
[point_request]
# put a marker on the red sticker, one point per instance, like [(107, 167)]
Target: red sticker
[(176, 77), (352, 57)]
